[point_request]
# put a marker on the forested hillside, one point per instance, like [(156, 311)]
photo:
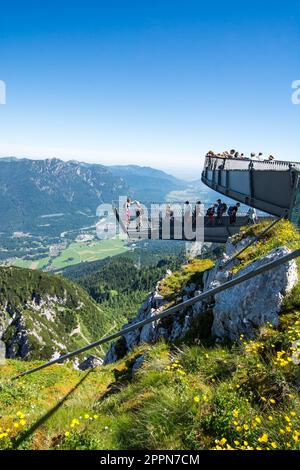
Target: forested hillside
[(43, 315), (119, 284)]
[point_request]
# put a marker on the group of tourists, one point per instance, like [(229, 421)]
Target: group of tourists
[(216, 212), (234, 154)]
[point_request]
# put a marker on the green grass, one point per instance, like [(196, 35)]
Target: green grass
[(283, 234), (239, 396), (191, 273), (29, 264), (77, 253), (96, 250)]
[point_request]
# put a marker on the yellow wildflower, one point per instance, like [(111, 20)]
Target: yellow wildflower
[(263, 438)]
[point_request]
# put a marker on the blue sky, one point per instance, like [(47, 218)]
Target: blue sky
[(154, 83)]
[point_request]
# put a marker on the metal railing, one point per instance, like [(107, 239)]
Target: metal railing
[(222, 163), (227, 285), (156, 212)]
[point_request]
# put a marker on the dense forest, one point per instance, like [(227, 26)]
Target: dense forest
[(121, 283)]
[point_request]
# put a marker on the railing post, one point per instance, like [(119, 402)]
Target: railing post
[(251, 182), (294, 211), (227, 183)]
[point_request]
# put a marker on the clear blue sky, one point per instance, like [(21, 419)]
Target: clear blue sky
[(149, 82)]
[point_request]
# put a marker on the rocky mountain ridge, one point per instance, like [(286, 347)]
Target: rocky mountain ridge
[(31, 191)]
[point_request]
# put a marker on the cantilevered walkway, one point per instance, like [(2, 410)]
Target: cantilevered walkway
[(271, 186), (161, 228)]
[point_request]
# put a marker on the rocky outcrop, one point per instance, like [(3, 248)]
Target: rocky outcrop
[(35, 328), (90, 363), (239, 310), (247, 306), (170, 329)]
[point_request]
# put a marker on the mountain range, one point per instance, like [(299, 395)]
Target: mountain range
[(31, 191)]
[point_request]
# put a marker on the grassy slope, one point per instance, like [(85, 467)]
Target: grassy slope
[(282, 234), (172, 285), (240, 396)]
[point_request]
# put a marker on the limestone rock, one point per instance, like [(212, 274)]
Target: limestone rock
[(243, 308)]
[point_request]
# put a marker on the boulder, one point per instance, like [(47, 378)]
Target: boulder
[(247, 306), (90, 363)]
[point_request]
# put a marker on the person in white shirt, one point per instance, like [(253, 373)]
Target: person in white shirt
[(252, 216)]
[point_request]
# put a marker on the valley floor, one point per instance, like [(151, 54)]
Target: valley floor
[(76, 253)]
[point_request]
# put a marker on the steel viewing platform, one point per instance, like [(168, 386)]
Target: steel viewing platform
[(270, 186), (163, 228)]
